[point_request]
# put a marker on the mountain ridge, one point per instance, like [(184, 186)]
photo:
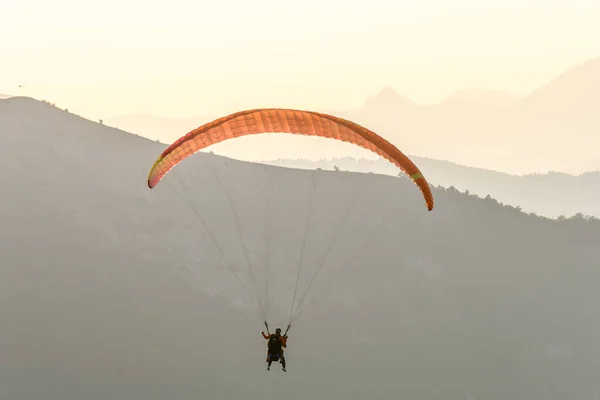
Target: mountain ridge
[(552, 194)]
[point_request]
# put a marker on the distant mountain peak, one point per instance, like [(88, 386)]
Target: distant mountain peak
[(388, 91), (387, 99), (587, 72), (574, 93), (590, 66)]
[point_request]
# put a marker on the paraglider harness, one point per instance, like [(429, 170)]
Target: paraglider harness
[(275, 346)]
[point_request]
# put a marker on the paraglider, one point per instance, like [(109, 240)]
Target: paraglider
[(297, 122)]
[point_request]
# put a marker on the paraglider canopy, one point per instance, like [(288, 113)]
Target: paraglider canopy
[(270, 120)]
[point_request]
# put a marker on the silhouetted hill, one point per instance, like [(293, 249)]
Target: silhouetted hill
[(551, 195), (110, 290)]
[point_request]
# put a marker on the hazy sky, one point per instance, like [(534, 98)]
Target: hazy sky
[(187, 58)]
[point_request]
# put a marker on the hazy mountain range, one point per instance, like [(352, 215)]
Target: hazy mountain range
[(554, 128), (111, 291), (551, 194)]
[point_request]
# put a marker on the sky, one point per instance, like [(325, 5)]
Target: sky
[(188, 58)]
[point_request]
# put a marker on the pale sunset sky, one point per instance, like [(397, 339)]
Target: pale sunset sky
[(183, 58)]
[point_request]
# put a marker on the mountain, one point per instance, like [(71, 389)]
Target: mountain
[(111, 290), (554, 128), (387, 102), (552, 195), (572, 96)]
